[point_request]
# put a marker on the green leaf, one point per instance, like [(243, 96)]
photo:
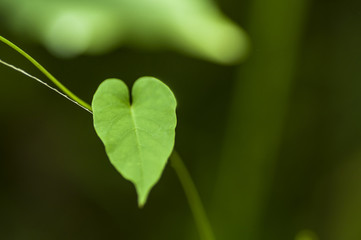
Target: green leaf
[(138, 136)]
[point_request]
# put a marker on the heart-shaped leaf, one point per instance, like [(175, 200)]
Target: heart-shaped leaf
[(138, 136)]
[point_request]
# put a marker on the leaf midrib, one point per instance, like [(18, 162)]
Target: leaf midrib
[(132, 115)]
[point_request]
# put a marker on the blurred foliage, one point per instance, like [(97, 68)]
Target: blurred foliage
[(70, 28), (306, 235), (273, 144), (258, 113)]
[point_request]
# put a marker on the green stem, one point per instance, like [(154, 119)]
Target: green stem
[(47, 74), (195, 203)]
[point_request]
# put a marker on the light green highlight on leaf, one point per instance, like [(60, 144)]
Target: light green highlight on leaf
[(138, 136)]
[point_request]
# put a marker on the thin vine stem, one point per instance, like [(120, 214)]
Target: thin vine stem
[(194, 200), (47, 74), (44, 83)]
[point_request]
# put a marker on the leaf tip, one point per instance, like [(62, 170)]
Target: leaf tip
[(142, 199)]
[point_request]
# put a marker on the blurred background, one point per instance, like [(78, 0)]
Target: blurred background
[(269, 107)]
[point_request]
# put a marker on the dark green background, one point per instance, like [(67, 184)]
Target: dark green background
[(274, 144)]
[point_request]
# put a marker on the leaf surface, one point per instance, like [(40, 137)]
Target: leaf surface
[(138, 136)]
